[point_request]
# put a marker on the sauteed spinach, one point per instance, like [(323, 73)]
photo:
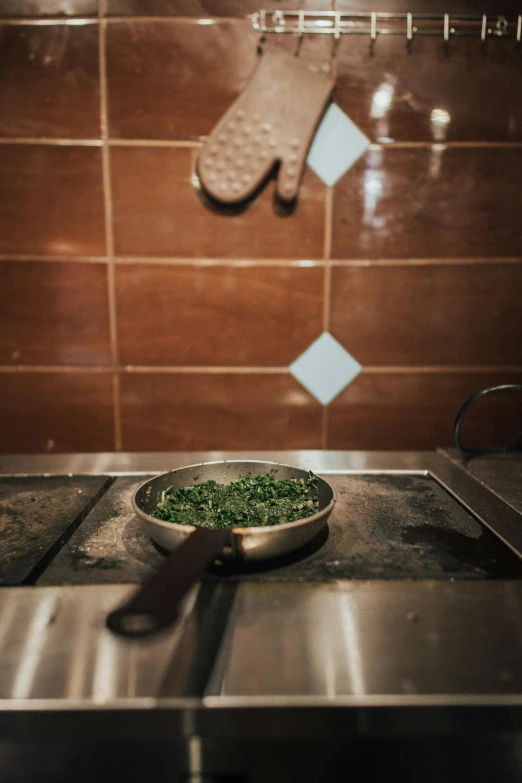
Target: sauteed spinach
[(250, 501)]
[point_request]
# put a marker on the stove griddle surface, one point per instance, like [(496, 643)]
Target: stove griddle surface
[(383, 527), (110, 546), (36, 513)]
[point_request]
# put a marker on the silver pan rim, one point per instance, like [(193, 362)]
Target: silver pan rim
[(239, 531)]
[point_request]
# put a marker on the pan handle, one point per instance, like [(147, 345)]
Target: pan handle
[(155, 605)]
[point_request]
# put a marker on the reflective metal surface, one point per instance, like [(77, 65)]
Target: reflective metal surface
[(375, 23), (117, 463), (371, 639), (491, 510), (380, 652), (346, 643), (54, 646), (500, 474)]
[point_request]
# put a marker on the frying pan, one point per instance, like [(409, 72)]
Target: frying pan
[(155, 605)]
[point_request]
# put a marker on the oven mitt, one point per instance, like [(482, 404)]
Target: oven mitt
[(274, 119)]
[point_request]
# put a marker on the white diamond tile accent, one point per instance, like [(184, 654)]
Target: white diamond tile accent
[(337, 144), (325, 368)]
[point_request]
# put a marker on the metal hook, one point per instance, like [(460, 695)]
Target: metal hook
[(334, 23), (501, 26), (260, 20), (409, 30), (373, 30), (300, 32), (278, 20), (484, 28), (447, 32), (337, 32)]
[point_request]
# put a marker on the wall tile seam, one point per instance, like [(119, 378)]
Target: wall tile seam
[(259, 261), (126, 369)]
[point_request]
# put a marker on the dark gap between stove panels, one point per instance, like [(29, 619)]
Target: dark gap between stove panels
[(193, 660), (110, 546), (38, 515), (383, 527)]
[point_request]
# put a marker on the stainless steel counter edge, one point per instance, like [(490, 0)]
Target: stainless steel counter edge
[(369, 700), (229, 724), (217, 703), (129, 463), (500, 473)]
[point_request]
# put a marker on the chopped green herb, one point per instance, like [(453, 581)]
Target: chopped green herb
[(248, 502)]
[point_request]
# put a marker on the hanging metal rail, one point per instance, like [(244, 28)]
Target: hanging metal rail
[(375, 23)]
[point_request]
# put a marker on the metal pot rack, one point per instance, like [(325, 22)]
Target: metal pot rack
[(376, 23)]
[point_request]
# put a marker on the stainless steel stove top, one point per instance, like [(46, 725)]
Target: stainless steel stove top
[(412, 599), (384, 526)]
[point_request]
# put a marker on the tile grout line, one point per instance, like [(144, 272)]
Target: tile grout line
[(158, 260), (328, 229), (178, 143), (244, 370), (249, 262), (324, 428), (49, 141), (190, 143), (326, 302), (455, 144), (174, 19), (71, 21), (22, 258), (328, 242), (137, 369), (48, 21), (479, 260), (10, 369), (210, 262), (117, 409), (327, 297), (435, 369), (216, 370), (108, 210)]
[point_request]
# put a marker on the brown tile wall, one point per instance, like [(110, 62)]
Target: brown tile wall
[(134, 316)]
